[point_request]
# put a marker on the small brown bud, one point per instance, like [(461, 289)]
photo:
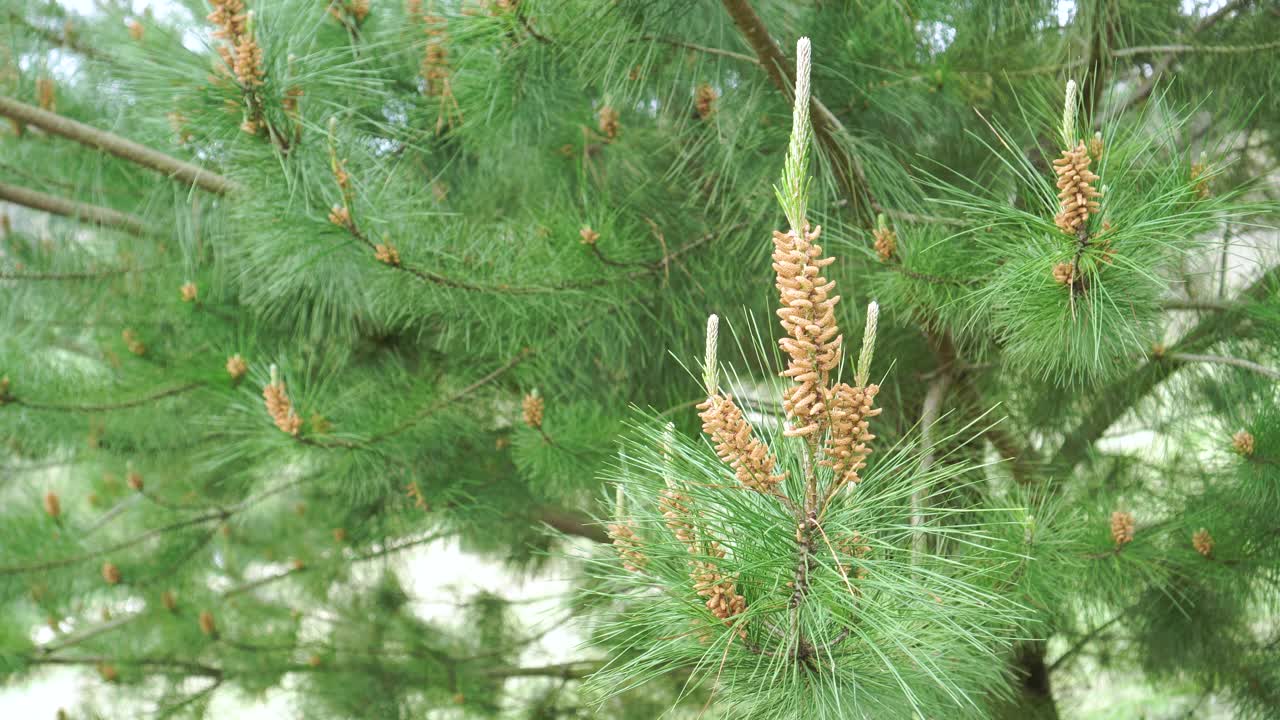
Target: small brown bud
[(1096, 146), (1063, 273), (135, 30), (46, 95), (340, 216), (134, 479), (532, 407), (207, 625), (459, 699), (314, 661), (297, 564), (52, 506), (169, 600), (339, 535), (1122, 527), (705, 101), (236, 367), (607, 121), (1202, 541), (110, 573), (133, 342), (387, 253), (886, 243), (588, 235), (1243, 442), (189, 292), (108, 672)]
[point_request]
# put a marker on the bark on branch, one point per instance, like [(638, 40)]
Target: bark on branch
[(114, 144), (93, 214)]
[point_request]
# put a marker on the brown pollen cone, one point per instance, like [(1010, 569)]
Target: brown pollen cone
[(886, 243), (627, 545), (1075, 188), (1122, 527), (1202, 541), (705, 101), (851, 411), (750, 458), (607, 121), (207, 625), (281, 408), (110, 573), (1243, 442), (808, 316), (720, 590), (532, 407)]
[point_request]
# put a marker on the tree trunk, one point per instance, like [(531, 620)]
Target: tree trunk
[(1033, 698)]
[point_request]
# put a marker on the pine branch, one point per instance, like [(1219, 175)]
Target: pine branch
[(92, 214), (105, 407), (1149, 85), (114, 144), (1113, 402), (570, 670), (162, 664), (1223, 360)]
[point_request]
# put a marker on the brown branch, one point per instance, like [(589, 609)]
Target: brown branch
[(123, 405), (698, 48), (572, 523), (114, 144), (184, 667), (93, 214), (425, 412)]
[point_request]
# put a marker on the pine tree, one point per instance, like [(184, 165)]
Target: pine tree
[(987, 399)]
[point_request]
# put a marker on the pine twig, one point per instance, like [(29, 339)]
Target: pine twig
[(114, 144), (1225, 360), (105, 407), (92, 214)]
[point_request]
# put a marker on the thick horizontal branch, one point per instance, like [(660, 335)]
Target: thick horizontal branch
[(93, 214), (1223, 360), (114, 144)]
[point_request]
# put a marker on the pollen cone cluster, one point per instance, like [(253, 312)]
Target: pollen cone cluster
[(675, 509), (607, 120), (1075, 188), (705, 101), (851, 411), (281, 408), (1122, 527), (886, 243), (808, 317), (737, 446), (1203, 542), (1243, 442), (628, 546), (720, 590), (532, 407), (435, 59)]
